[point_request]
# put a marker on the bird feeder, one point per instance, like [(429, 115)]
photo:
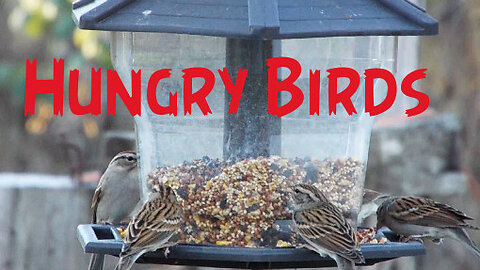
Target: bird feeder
[(232, 169)]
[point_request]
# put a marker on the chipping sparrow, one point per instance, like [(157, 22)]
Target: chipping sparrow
[(152, 227), (324, 228), (117, 195), (371, 201), (422, 218)]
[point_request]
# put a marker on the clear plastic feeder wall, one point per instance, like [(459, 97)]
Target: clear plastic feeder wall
[(233, 172)]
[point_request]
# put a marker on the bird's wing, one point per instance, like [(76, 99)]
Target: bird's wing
[(97, 196), (156, 222), (95, 201), (426, 212), (326, 227)]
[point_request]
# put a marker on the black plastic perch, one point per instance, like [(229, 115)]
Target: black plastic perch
[(105, 239)]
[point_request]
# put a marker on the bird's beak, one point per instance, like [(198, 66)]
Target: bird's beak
[(380, 198)]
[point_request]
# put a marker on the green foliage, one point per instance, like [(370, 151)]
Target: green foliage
[(49, 24), (13, 79)]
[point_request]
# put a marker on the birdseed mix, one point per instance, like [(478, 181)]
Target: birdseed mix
[(245, 203), (369, 236)]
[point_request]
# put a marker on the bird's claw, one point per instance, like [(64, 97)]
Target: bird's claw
[(405, 239), (437, 241), (307, 246), (167, 250), (105, 222)]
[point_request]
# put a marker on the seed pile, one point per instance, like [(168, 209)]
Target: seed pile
[(243, 203), (340, 181), (368, 236)]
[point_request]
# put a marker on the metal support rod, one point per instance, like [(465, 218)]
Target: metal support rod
[(252, 132)]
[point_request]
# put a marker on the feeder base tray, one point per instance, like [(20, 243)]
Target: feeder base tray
[(105, 239)]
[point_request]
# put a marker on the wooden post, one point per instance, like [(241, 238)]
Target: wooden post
[(38, 222)]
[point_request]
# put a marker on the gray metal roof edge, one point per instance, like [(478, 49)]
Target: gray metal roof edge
[(88, 13), (88, 17), (80, 3), (413, 13), (349, 33), (216, 33)]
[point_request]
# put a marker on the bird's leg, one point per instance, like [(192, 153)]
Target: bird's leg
[(402, 239), (437, 241), (167, 248), (405, 239), (106, 222)]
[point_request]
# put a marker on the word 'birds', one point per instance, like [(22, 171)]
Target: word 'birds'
[(324, 228), (152, 227), (117, 195), (422, 218)]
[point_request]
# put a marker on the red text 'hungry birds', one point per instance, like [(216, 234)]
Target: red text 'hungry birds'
[(132, 99)]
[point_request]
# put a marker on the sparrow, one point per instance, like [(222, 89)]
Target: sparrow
[(117, 195), (152, 227), (371, 201), (324, 228), (423, 218)]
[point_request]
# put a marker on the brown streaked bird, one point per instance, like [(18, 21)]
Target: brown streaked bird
[(153, 226), (324, 228), (117, 195), (422, 218), (370, 203)]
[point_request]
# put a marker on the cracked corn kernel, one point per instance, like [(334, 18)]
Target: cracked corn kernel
[(122, 231), (281, 243)]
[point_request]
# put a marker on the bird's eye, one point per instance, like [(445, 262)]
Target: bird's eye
[(129, 158)]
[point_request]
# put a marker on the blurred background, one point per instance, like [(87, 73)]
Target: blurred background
[(432, 155)]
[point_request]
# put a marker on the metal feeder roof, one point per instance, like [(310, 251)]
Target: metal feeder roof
[(257, 19)]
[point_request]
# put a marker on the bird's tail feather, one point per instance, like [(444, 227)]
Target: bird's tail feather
[(471, 227), (462, 236), (357, 256), (96, 262), (344, 264), (126, 262)]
